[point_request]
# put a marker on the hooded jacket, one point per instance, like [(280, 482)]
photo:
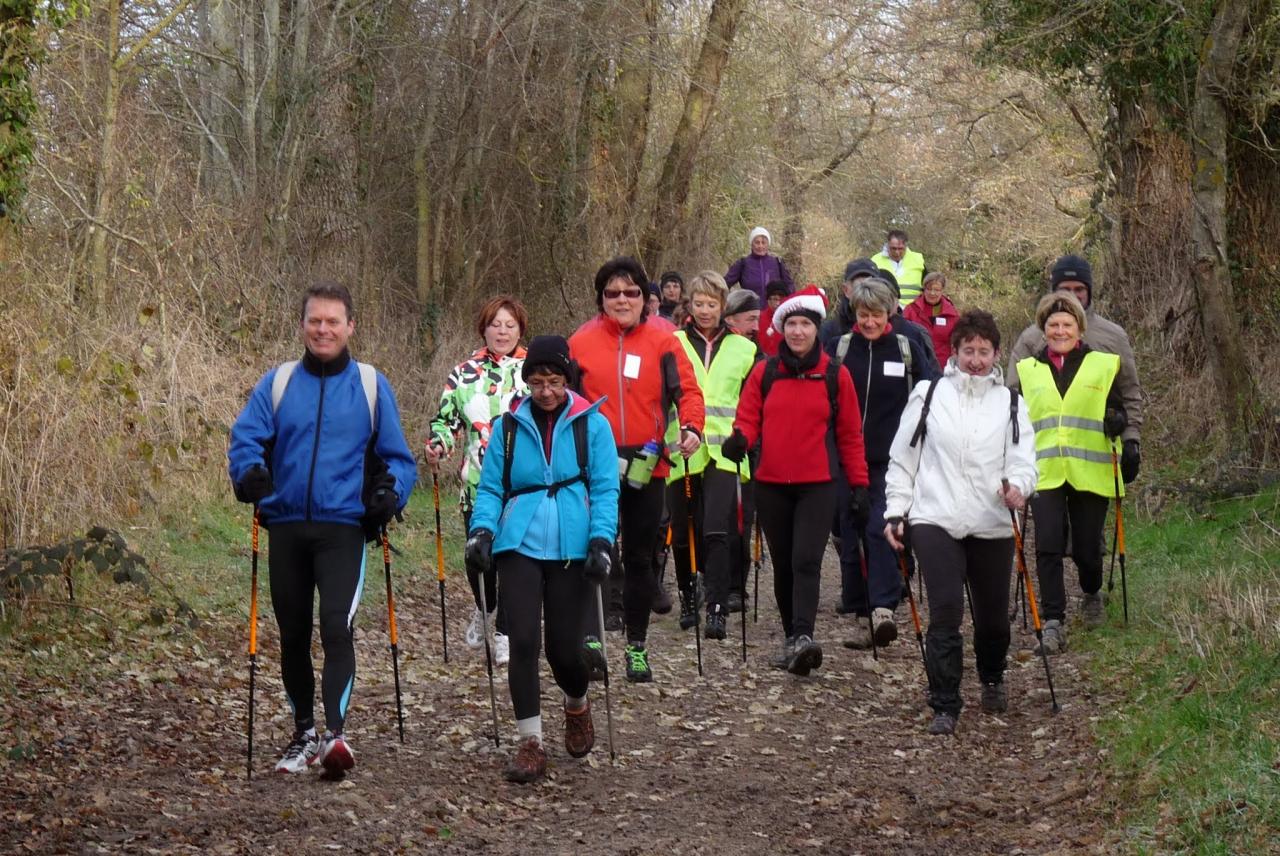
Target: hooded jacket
[(1100, 334), (951, 478), (316, 443), (539, 525)]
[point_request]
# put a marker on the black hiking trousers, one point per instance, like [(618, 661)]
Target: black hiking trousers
[(796, 519), (557, 591), (715, 515), (639, 515), (305, 558), (1087, 513), (491, 593), (946, 563)]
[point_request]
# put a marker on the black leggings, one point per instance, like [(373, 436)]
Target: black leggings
[(305, 557), (529, 586), (715, 516), (639, 514), (490, 586), (946, 563), (1088, 515), (796, 519)]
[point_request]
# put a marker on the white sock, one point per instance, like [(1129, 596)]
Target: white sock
[(530, 727), (574, 704)]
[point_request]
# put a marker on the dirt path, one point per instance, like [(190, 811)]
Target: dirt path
[(743, 760)]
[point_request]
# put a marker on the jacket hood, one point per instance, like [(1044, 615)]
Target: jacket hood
[(966, 383), (577, 405)]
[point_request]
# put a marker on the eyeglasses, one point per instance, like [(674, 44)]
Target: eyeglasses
[(615, 293), (538, 387)]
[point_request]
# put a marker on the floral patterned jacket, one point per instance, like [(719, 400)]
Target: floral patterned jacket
[(478, 390)]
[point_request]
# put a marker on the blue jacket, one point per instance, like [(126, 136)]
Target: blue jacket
[(533, 523), (315, 444), (881, 380)]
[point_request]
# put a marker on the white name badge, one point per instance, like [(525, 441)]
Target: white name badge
[(895, 370), (941, 321), (631, 366)]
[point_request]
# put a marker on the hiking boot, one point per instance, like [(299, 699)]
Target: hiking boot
[(474, 637), (994, 698), (335, 756), (638, 671), (579, 731), (593, 656), (1053, 638), (780, 660), (884, 628), (735, 603), (806, 655), (860, 638), (662, 602), (688, 610), (716, 625), (1093, 610), (943, 723), (529, 763), (613, 621), (299, 753), (841, 609), (501, 649)]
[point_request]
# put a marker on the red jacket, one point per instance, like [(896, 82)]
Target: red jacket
[(638, 372), (769, 337), (793, 426), (939, 326)]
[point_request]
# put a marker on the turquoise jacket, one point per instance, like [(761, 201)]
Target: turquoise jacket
[(536, 524)]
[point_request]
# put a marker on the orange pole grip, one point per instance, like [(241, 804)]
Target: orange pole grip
[(253, 593)]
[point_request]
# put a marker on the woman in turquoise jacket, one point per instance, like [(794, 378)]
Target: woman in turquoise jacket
[(546, 514)]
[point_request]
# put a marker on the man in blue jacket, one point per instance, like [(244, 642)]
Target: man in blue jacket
[(319, 450)]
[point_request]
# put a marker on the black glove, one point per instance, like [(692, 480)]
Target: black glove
[(860, 507), (599, 562), (1130, 461), (1114, 421), (255, 485), (381, 507), (479, 553), (735, 448)]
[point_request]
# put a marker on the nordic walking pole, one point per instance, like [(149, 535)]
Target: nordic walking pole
[(391, 629), (693, 561), (444, 624), (866, 594), (742, 568), (911, 599), (758, 545), (604, 652), (1031, 601), (488, 661), (253, 639), (1118, 542)]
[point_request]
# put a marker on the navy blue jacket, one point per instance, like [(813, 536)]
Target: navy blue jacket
[(317, 443)]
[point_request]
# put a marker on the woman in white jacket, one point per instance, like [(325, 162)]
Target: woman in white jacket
[(955, 473)]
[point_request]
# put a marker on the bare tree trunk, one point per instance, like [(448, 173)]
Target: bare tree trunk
[(1242, 407), (103, 183), (704, 85), (634, 93)]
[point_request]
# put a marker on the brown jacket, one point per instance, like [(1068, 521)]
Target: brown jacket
[(1101, 335)]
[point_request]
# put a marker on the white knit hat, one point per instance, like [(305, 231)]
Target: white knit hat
[(756, 232), (811, 301)]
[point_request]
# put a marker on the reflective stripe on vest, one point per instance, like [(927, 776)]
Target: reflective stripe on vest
[(1070, 444), (721, 385)]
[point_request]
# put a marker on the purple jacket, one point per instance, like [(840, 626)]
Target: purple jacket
[(756, 272)]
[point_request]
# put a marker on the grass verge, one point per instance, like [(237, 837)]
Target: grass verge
[(1194, 745)]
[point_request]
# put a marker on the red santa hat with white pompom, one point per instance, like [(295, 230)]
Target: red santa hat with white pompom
[(811, 302)]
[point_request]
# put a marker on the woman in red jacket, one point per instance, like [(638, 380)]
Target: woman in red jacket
[(934, 311), (639, 368), (804, 412)]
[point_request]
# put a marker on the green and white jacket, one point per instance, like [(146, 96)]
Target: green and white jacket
[(477, 391)]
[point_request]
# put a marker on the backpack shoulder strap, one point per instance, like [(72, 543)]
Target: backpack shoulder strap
[(369, 381), (833, 387), (921, 427), (1013, 414), (280, 381), (842, 347), (770, 373), (508, 441), (580, 444)]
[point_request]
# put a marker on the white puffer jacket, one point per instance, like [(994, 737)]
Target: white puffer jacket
[(952, 478)]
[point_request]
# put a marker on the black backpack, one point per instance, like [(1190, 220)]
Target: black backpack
[(922, 429), (508, 438)]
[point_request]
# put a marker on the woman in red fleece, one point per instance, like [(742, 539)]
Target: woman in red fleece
[(787, 404)]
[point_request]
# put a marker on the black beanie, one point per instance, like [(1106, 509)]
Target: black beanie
[(547, 352), (1071, 268), (777, 287)]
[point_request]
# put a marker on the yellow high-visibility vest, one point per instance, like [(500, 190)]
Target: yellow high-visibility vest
[(721, 385), (1071, 446), (912, 276)]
